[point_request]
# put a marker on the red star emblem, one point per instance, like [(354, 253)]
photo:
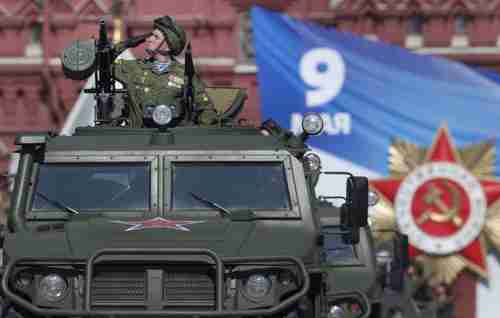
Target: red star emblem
[(443, 205), (158, 223)]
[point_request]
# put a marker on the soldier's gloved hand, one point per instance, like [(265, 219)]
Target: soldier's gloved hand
[(136, 40)]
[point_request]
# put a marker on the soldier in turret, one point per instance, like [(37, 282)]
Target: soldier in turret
[(159, 79)]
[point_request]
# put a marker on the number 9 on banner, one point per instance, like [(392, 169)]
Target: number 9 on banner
[(324, 70)]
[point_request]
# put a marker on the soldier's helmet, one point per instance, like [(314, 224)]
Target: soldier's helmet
[(173, 32)]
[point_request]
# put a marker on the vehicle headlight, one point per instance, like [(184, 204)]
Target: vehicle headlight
[(312, 124), (162, 115), (337, 312), (312, 161), (257, 286), (53, 287)]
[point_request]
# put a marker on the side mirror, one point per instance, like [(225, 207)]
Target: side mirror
[(357, 198), (354, 213)]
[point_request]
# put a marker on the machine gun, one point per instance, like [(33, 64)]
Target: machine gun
[(82, 58), (104, 89)]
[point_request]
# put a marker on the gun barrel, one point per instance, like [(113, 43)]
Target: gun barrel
[(189, 66), (103, 35), (104, 76), (188, 90)]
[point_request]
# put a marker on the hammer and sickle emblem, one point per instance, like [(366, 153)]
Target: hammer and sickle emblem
[(444, 212)]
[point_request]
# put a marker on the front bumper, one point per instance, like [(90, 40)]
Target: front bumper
[(218, 263)]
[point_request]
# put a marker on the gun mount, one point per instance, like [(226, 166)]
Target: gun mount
[(83, 58)]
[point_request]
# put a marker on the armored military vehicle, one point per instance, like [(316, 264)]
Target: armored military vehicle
[(181, 221)]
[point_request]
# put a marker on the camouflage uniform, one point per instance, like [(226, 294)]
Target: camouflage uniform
[(147, 86)]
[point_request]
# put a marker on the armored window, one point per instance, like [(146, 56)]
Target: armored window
[(93, 186), (232, 185)]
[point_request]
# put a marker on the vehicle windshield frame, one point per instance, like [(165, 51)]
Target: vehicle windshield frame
[(160, 164), (57, 213), (230, 157)]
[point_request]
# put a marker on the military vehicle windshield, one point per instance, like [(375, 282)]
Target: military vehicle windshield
[(233, 185), (96, 186)]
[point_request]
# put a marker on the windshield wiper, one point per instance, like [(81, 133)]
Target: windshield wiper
[(224, 212), (58, 204)]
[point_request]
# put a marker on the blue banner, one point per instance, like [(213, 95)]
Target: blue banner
[(368, 92)]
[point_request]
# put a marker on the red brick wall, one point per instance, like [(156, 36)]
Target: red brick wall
[(36, 97)]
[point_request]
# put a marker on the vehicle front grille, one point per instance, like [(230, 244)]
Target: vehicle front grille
[(190, 289), (119, 288), (181, 288)]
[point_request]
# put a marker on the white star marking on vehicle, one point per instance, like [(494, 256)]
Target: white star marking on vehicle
[(158, 223)]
